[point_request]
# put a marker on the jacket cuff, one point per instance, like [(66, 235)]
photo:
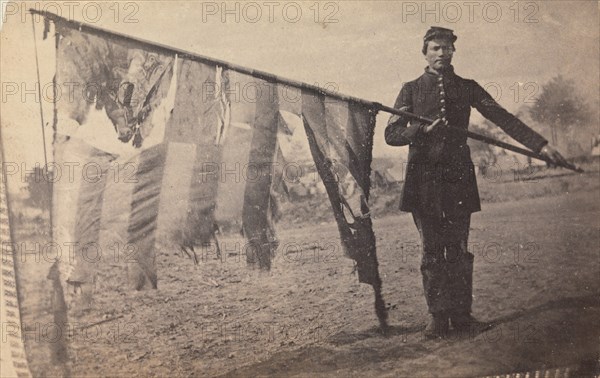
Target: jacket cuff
[(413, 132)]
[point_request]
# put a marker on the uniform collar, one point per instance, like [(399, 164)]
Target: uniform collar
[(449, 71)]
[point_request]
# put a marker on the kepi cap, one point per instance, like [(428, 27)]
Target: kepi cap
[(440, 33)]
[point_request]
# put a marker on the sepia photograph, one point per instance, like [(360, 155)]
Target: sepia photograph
[(300, 188)]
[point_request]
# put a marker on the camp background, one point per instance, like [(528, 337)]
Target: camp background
[(365, 49), (363, 63)]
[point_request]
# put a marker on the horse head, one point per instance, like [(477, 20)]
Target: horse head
[(121, 118)]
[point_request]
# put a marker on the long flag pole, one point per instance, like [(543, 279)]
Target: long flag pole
[(160, 48), (282, 80)]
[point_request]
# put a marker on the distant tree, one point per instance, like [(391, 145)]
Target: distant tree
[(559, 106)]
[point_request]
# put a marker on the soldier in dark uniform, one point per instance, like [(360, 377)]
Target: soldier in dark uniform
[(440, 189)]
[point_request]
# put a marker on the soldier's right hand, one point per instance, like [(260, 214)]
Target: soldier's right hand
[(429, 128)]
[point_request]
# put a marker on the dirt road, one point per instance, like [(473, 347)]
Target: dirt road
[(536, 276)]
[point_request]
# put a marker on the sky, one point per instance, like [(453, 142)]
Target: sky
[(365, 49)]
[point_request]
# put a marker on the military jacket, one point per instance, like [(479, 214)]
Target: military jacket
[(440, 177)]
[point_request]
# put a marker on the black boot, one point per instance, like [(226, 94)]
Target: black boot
[(437, 327), (459, 265), (464, 323)]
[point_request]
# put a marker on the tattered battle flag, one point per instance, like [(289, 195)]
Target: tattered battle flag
[(147, 154)]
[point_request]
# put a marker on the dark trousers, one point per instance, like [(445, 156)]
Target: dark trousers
[(446, 265)]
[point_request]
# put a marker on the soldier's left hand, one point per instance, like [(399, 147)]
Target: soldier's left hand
[(552, 154)]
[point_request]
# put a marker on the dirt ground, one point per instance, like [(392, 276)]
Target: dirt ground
[(536, 277)]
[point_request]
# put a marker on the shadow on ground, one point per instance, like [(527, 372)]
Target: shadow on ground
[(557, 333)]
